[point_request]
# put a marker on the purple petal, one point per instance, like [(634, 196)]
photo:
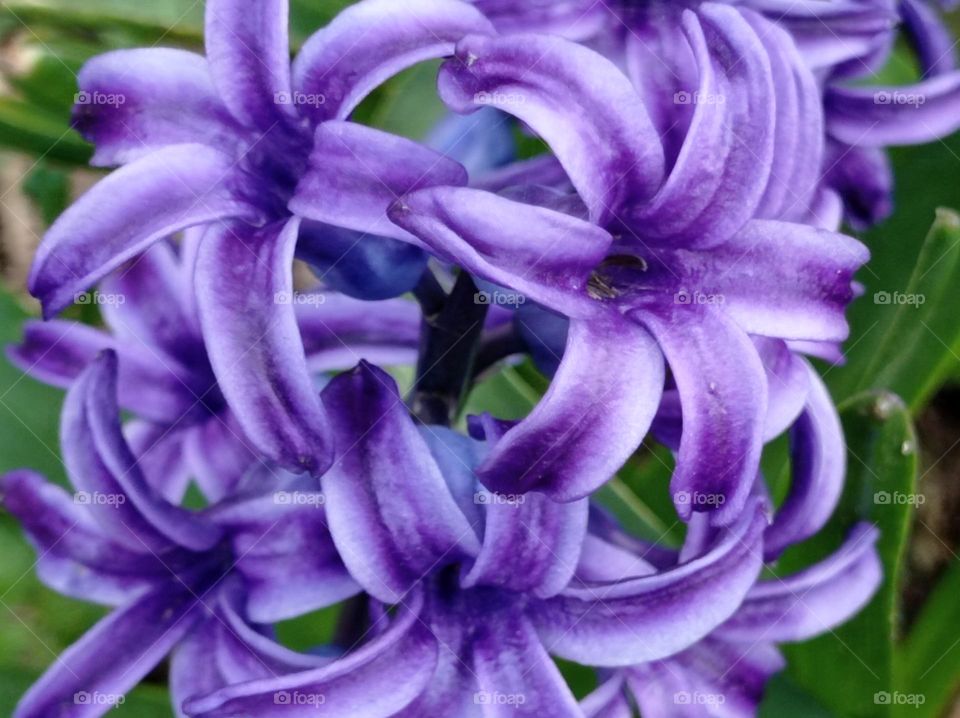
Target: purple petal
[(370, 42), (134, 102), (249, 56), (723, 393), (75, 557), (365, 266), (357, 172), (572, 19), (588, 423), (136, 639), (514, 672), (244, 289), (530, 543), (56, 352), (815, 600), (788, 385), (102, 467), (376, 681), (641, 619), (218, 454), (154, 310), (129, 210), (545, 255), (799, 140), (268, 534), (391, 514), (863, 176), (711, 676), (819, 466), (710, 194), (338, 331), (877, 116), (576, 100), (159, 449), (776, 279), (930, 36)]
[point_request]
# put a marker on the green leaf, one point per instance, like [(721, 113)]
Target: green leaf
[(929, 659), (895, 251), (783, 698), (26, 128), (49, 189), (846, 667), (30, 411), (917, 326)]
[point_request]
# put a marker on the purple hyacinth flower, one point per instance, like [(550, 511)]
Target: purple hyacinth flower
[(185, 429), (647, 263), (175, 578), (487, 586), (838, 41), (220, 142), (725, 674)]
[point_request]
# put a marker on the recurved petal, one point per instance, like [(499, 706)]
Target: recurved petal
[(123, 214), (136, 638), (815, 600), (134, 102), (576, 100), (878, 116), (249, 56), (630, 621), (545, 255), (373, 40), (377, 680), (105, 471), (589, 422), (391, 514), (723, 395), (356, 173), (244, 284), (819, 463), (721, 173)]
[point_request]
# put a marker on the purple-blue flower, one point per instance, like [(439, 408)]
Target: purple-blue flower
[(649, 260), (175, 578)]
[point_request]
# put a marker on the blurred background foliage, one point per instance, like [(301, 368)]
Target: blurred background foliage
[(898, 390)]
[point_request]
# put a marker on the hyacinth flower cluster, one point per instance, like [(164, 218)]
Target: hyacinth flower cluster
[(674, 256)]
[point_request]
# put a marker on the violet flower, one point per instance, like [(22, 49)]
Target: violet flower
[(843, 41), (646, 263), (178, 580), (185, 429), (726, 673), (220, 142), (486, 586)]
